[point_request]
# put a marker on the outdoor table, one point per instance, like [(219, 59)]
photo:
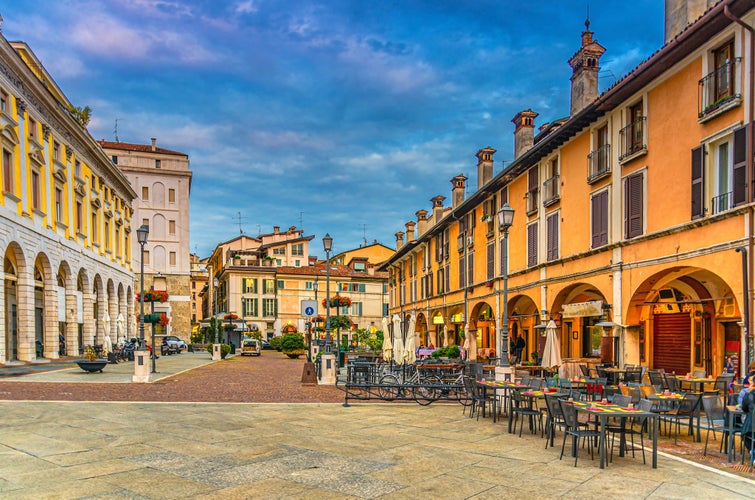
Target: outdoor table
[(534, 369), (615, 374), (696, 384), (732, 411), (604, 411), (505, 388)]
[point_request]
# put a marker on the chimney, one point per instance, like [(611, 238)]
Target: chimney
[(457, 191), (410, 231), (680, 13), (421, 222), (399, 240), (524, 131), (154, 144), (438, 207), (276, 230), (484, 166), (585, 64)]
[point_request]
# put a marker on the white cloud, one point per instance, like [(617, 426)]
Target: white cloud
[(247, 7)]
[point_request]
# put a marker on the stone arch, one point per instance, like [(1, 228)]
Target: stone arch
[(482, 330), (692, 307), (14, 264), (523, 318), (421, 327), (158, 229), (158, 261), (45, 308), (158, 194), (580, 337)]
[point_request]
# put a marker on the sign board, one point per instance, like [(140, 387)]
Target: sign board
[(308, 308), (583, 309)]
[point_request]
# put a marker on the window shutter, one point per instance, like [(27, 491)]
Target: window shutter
[(600, 219), (447, 277), (470, 268), (504, 196), (633, 210), (532, 179), (461, 272), (740, 165), (698, 183), (552, 237), (491, 260), (532, 245)]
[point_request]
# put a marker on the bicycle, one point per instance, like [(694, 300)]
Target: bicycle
[(449, 386), (396, 384)]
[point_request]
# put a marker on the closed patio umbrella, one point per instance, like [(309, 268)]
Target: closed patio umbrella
[(387, 344), (107, 325), (552, 349), (398, 342), (121, 328), (410, 352), (445, 335)]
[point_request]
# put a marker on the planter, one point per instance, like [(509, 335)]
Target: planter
[(293, 355), (151, 318), (92, 366)]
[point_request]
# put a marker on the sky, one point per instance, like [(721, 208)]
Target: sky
[(340, 116)]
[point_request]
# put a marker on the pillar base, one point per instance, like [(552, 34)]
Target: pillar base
[(503, 373), (141, 367), (216, 352), (309, 375), (328, 369)]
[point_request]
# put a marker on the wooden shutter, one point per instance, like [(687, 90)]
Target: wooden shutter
[(633, 209), (698, 183), (504, 196), (532, 179), (470, 269), (599, 231), (532, 245), (447, 278), (461, 272), (739, 181), (671, 342), (552, 237), (491, 260), (501, 250)]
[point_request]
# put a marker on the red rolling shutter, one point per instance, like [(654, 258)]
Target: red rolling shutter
[(671, 342)]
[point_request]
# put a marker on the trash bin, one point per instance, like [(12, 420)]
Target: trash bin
[(341, 357), (233, 348)]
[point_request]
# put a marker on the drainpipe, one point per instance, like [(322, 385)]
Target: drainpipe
[(747, 253)]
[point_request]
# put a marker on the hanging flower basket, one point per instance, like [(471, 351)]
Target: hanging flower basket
[(153, 296), (230, 327), (164, 320), (152, 318), (337, 301), (230, 316), (339, 322)]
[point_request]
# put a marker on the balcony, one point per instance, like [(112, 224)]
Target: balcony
[(719, 91), (722, 202), (599, 164), (532, 199), (633, 141), (551, 191)]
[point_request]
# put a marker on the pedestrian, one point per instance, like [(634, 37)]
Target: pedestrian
[(748, 404), (520, 345), (729, 365)]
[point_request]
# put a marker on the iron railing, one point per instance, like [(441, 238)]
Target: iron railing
[(632, 138), (551, 190), (718, 88), (599, 163)]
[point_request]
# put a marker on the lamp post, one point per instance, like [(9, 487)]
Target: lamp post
[(327, 244), (746, 308), (141, 236), (505, 220)]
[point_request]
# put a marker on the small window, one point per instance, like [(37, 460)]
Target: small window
[(32, 128), (281, 285), (79, 217), (172, 227), (94, 227), (55, 150), (599, 215), (77, 168), (35, 190), (633, 205), (172, 258), (58, 204), (157, 163), (146, 257), (115, 160), (7, 171), (4, 102), (145, 193), (107, 235), (171, 195), (532, 244)]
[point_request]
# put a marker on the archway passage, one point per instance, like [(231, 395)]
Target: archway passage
[(671, 346)]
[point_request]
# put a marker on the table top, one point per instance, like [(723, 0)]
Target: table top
[(493, 383), (736, 409), (438, 365), (608, 409)]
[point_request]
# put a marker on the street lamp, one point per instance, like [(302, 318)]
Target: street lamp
[(141, 236), (327, 244), (746, 308), (505, 220)]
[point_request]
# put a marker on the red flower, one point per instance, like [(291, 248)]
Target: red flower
[(164, 320)]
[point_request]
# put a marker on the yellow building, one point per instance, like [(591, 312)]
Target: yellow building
[(65, 222), (630, 210)]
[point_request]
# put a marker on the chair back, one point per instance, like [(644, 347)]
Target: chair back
[(672, 383), (647, 390), (552, 406), (570, 414), (645, 405), (470, 386), (622, 400), (699, 374), (602, 373), (585, 371), (537, 383), (526, 379), (474, 370), (714, 409), (722, 382), (689, 404), (655, 378)]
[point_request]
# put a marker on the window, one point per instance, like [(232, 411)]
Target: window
[(172, 258), (551, 226), (145, 193), (599, 159), (532, 190), (4, 102), (551, 192), (281, 285), (35, 187), (146, 257), (268, 286), (491, 260), (94, 227), (441, 281), (157, 164), (722, 177), (633, 205), (359, 266), (56, 150), (107, 234), (717, 88), (115, 160), (145, 222), (32, 128), (297, 249), (599, 215), (412, 265), (723, 75), (308, 285), (79, 218), (269, 307), (172, 227), (7, 171), (77, 168), (58, 204), (250, 285), (356, 308), (462, 272), (171, 195), (279, 251), (249, 307), (532, 244)]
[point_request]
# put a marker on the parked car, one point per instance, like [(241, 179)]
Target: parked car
[(251, 347), (266, 345), (174, 343)]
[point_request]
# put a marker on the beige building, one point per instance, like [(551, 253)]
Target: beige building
[(198, 282), (65, 222), (162, 181)]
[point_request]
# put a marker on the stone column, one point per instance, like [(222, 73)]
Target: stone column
[(72, 325), (25, 314), (50, 322), (3, 319), (88, 327)]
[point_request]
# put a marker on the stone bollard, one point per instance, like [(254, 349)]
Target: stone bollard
[(328, 370), (215, 352), (141, 367)]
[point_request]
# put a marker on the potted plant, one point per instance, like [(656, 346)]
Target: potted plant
[(224, 350), (91, 363), (292, 345)]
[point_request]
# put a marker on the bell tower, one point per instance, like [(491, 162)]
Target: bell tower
[(585, 64)]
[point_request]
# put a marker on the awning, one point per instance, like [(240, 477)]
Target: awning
[(582, 309)]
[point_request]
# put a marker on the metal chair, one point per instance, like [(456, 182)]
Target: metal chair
[(576, 430), (688, 409), (520, 407), (714, 416)]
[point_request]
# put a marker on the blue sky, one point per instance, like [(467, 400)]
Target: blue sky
[(343, 116)]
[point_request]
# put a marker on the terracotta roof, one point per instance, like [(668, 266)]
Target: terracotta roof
[(142, 148), (336, 271)]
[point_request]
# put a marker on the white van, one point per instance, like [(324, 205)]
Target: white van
[(251, 347)]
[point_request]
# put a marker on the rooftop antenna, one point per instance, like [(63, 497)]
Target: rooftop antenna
[(301, 223), (115, 130), (259, 230), (364, 233), (239, 220)]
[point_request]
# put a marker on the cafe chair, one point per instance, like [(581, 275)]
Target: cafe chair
[(672, 383), (656, 379), (721, 386), (479, 397), (715, 418), (699, 374), (576, 430), (585, 371), (688, 409), (554, 418), (521, 408)]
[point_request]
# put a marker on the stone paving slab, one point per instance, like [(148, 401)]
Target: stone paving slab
[(311, 451)]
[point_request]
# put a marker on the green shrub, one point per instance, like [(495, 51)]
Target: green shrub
[(292, 342), (275, 343), (450, 351), (224, 350)]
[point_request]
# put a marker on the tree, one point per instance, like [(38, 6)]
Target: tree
[(81, 115)]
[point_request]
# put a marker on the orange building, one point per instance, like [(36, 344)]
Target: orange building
[(627, 212)]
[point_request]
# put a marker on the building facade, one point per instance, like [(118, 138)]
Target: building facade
[(65, 222), (629, 212), (162, 181), (199, 278)]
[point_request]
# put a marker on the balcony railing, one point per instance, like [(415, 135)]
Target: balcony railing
[(722, 202), (599, 163), (718, 88), (532, 197), (551, 191), (632, 138)]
